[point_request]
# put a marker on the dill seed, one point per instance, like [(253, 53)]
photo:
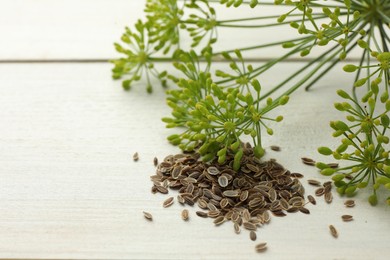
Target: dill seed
[(304, 210), (275, 148), (308, 161), (168, 202), (320, 191), (347, 218), (148, 216), (219, 220), (328, 197), (296, 175), (333, 231), (261, 247), (249, 226), (314, 182), (252, 235), (201, 214), (155, 161), (311, 199), (135, 157), (349, 203), (237, 228), (333, 165), (185, 214), (223, 181), (213, 170)]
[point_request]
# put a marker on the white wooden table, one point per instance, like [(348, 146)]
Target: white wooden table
[(68, 185)]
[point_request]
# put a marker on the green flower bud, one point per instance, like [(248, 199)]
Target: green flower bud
[(221, 159), (339, 106), (282, 18), (279, 118), (384, 56), (287, 45), (270, 131), (328, 171), (321, 165), (350, 191), (208, 157), (347, 3), (373, 199), (283, 100), (340, 125), (337, 133), (305, 52), (363, 44), (256, 85), (325, 150), (253, 3), (362, 185), (258, 151), (351, 118), (342, 93), (360, 82), (340, 184), (338, 177), (386, 169), (342, 148), (237, 159), (234, 146), (341, 190)]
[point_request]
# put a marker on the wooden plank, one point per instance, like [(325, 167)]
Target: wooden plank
[(70, 189)]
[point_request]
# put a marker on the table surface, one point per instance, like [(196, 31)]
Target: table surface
[(69, 187)]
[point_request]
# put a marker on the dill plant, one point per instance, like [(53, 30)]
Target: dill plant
[(215, 110)]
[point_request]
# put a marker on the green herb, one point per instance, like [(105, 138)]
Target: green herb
[(216, 110)]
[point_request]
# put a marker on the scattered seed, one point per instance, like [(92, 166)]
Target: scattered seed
[(155, 161), (135, 157), (201, 214), (311, 199), (168, 202), (349, 203), (185, 214), (219, 220), (250, 226), (347, 218), (304, 210), (328, 197), (333, 165), (314, 182), (252, 235), (148, 216), (275, 148), (237, 228), (333, 231), (223, 181), (162, 189), (320, 191), (308, 161), (261, 247)]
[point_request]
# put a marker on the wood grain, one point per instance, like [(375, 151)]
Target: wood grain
[(70, 189)]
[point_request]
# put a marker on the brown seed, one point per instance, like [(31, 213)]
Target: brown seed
[(155, 161), (347, 218), (162, 189), (201, 214), (219, 220), (223, 181), (349, 203), (180, 199), (250, 226), (244, 195), (168, 202), (296, 175), (148, 216), (252, 235), (135, 157), (261, 247), (308, 161), (231, 193), (304, 210), (320, 191), (237, 228), (328, 197), (176, 172), (333, 231), (246, 215), (311, 199), (333, 165), (213, 170), (314, 182), (185, 214), (275, 148)]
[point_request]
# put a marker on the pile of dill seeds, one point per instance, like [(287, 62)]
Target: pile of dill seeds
[(247, 197)]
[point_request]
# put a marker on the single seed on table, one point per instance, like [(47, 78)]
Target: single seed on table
[(185, 214), (168, 202), (347, 218), (261, 247), (333, 231), (223, 181), (237, 228), (252, 235), (314, 182), (275, 148), (148, 216), (135, 157), (308, 161), (311, 199), (201, 214), (349, 203), (155, 161), (304, 210), (320, 191), (328, 197)]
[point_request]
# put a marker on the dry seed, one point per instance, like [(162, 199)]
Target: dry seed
[(347, 218), (275, 148), (308, 161), (328, 197), (244, 195), (219, 220), (327, 183), (333, 165), (304, 210), (148, 216), (246, 215), (223, 181), (349, 203), (162, 189), (252, 235), (320, 191), (231, 193), (261, 247), (333, 231), (311, 199), (328, 188), (213, 170), (201, 214), (185, 214), (155, 161), (314, 182), (180, 199), (296, 175), (250, 226), (237, 228), (135, 157), (168, 202), (176, 172)]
